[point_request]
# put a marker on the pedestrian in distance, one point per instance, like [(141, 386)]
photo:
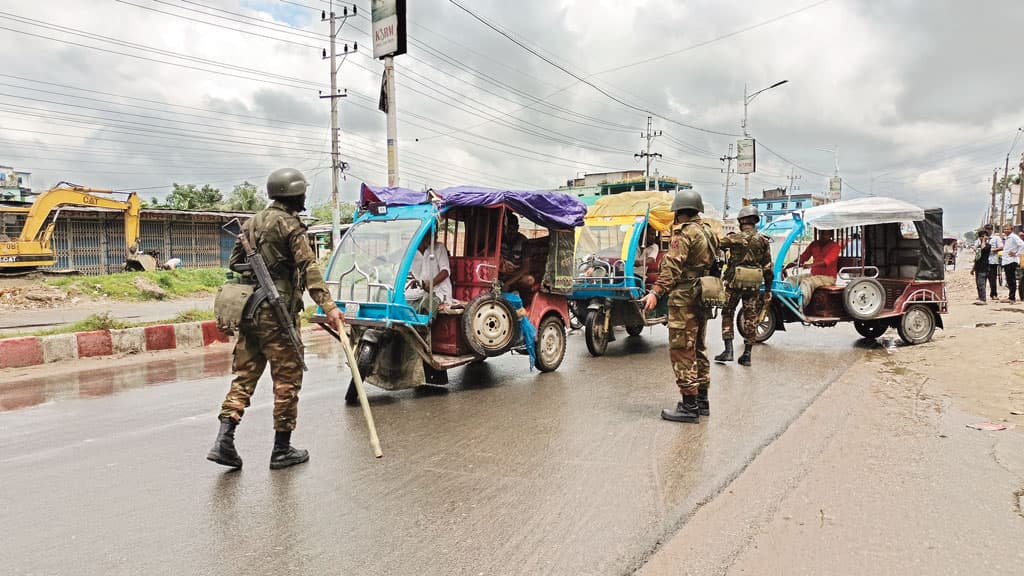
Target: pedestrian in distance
[(981, 266), (749, 264), (691, 254), (1012, 248), (995, 244), (277, 234)]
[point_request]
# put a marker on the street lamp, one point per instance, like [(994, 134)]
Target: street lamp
[(747, 99)]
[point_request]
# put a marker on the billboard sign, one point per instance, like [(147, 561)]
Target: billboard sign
[(746, 157), (835, 188), (388, 27)]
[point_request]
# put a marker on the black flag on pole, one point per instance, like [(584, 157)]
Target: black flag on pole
[(383, 103)]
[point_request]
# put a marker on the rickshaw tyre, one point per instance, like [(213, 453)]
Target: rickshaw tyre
[(468, 330), (852, 310), (771, 320), (595, 345), (635, 330), (554, 322), (870, 328), (912, 333), (364, 360)]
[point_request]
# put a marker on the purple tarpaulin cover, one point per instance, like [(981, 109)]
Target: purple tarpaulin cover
[(548, 209)]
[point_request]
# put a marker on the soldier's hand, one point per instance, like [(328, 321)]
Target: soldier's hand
[(650, 301), (336, 317)]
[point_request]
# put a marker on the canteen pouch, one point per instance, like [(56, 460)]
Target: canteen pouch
[(229, 305), (746, 279)]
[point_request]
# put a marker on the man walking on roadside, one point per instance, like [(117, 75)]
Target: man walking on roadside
[(280, 237), (1012, 248), (980, 269), (995, 245)]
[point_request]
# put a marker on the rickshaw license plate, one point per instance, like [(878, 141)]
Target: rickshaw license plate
[(352, 309)]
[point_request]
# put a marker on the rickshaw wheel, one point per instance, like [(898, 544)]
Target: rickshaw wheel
[(870, 329), (765, 328), (490, 325), (864, 298), (364, 360), (917, 324), (596, 335), (635, 330), (550, 344)]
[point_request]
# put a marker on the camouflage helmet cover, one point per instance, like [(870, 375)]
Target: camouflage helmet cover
[(749, 211), (286, 183), (687, 200)]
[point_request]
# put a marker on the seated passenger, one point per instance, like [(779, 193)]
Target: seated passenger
[(823, 256), (430, 269), (852, 247), (646, 259), (513, 275)]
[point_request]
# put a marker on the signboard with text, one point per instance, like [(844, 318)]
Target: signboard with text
[(835, 188), (388, 27), (746, 156)]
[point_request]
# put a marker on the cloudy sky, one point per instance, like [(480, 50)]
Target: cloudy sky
[(921, 97)]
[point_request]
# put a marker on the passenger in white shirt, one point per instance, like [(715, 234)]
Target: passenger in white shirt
[(646, 258), (430, 269), (1012, 248), (993, 263)]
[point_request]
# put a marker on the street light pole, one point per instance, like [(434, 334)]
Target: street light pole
[(747, 99)]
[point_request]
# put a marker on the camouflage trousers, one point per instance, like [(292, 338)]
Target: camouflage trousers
[(687, 328), (751, 307), (257, 345)]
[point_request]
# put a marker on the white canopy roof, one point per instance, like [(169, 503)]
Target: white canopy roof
[(861, 212)]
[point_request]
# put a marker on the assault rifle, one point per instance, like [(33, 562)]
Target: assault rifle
[(265, 291)]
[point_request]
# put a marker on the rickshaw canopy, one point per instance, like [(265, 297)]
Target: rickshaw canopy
[(632, 204), (861, 212), (549, 209)]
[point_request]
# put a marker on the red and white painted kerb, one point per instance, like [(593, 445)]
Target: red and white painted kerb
[(34, 350)]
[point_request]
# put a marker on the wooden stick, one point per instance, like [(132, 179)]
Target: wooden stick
[(357, 378)]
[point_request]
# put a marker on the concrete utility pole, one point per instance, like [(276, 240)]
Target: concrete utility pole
[(337, 166), (1002, 197), (793, 177), (728, 158), (389, 81), (1019, 216), (647, 155), (992, 210), (747, 99)]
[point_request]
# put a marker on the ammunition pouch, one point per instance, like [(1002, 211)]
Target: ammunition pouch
[(746, 279), (710, 294), (230, 305)]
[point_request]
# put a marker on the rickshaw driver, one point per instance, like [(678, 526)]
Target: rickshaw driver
[(823, 256), (430, 268), (513, 275)]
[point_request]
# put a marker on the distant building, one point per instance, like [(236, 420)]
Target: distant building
[(15, 185), (776, 202), (592, 186)]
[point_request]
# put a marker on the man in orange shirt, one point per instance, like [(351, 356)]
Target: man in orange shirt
[(823, 256)]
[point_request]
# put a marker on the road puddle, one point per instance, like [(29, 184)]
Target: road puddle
[(99, 382)]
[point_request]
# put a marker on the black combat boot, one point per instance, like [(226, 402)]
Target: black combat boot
[(702, 402), (726, 355), (745, 358), (223, 451), (686, 411), (284, 454)]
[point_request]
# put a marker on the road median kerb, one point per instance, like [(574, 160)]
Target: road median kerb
[(33, 350)]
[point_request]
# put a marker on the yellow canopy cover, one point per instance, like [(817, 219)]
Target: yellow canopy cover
[(633, 204)]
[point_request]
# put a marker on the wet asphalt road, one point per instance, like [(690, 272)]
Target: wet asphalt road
[(507, 472)]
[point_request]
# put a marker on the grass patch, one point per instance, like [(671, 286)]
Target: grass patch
[(105, 321), (193, 315), (121, 286)]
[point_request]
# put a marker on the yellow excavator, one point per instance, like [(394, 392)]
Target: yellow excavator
[(33, 247)]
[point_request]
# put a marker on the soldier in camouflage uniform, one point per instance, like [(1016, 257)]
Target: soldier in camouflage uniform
[(747, 249), (691, 254), (280, 237)]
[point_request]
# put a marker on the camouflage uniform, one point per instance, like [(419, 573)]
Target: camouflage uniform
[(749, 249), (690, 255), (281, 239)]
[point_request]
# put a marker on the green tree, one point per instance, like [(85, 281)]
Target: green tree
[(246, 197), (189, 197), (970, 235), (322, 213)]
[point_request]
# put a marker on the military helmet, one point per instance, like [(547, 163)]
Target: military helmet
[(286, 183), (687, 200), (749, 211)]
